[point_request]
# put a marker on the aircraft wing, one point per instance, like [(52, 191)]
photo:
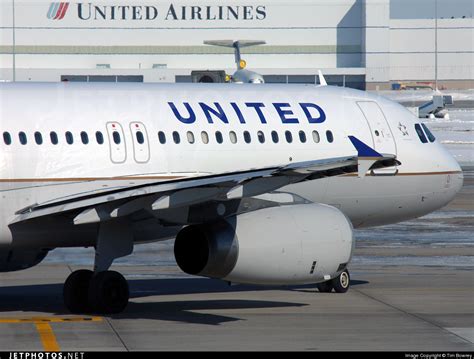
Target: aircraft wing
[(104, 206)]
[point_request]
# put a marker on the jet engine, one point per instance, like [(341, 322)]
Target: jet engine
[(17, 259), (295, 244)]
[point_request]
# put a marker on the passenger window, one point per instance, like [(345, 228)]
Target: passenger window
[(7, 138), (204, 137), (316, 138), (69, 138), (329, 136), (233, 137), (116, 137), (190, 136), (84, 138), (22, 138), (53, 136), (431, 137), (420, 133), (219, 138), (38, 138), (176, 137), (261, 137), (302, 136), (162, 137), (99, 137), (247, 137), (288, 136), (140, 137), (275, 138)]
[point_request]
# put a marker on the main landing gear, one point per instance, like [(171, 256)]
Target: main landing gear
[(340, 284), (102, 291)]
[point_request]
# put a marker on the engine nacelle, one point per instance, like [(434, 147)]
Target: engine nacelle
[(297, 244), (17, 259)]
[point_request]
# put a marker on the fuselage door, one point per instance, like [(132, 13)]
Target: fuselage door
[(118, 150), (382, 135), (141, 146)]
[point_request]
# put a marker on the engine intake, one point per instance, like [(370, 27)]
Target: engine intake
[(207, 250)]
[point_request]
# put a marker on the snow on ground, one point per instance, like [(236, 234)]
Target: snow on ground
[(426, 95), (457, 132)]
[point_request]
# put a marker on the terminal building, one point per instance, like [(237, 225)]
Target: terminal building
[(366, 44)]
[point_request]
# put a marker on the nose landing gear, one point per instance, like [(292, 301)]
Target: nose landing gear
[(340, 284)]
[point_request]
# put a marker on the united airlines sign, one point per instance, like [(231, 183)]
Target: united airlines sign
[(92, 12)]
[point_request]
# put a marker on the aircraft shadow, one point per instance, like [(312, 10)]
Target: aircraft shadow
[(311, 288), (47, 300), (187, 311), (193, 285)]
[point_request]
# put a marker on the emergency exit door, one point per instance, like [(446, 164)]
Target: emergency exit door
[(382, 136), (141, 147), (118, 150)]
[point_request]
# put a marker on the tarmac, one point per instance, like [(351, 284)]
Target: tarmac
[(389, 307)]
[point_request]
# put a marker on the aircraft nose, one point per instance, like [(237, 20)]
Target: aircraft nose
[(457, 180), (454, 176)]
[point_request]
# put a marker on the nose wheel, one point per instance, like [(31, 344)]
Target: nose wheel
[(103, 292), (340, 284)]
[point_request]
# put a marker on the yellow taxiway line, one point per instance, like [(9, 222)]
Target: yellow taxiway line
[(45, 331), (47, 337)]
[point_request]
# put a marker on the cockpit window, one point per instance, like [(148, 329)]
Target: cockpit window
[(430, 136), (420, 133)]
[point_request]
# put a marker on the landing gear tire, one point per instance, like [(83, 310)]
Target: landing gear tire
[(342, 282), (108, 292), (325, 287), (75, 291)]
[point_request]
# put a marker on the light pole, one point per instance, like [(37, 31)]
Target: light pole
[(14, 43), (436, 45)]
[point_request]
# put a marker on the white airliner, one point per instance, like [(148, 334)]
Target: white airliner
[(258, 183)]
